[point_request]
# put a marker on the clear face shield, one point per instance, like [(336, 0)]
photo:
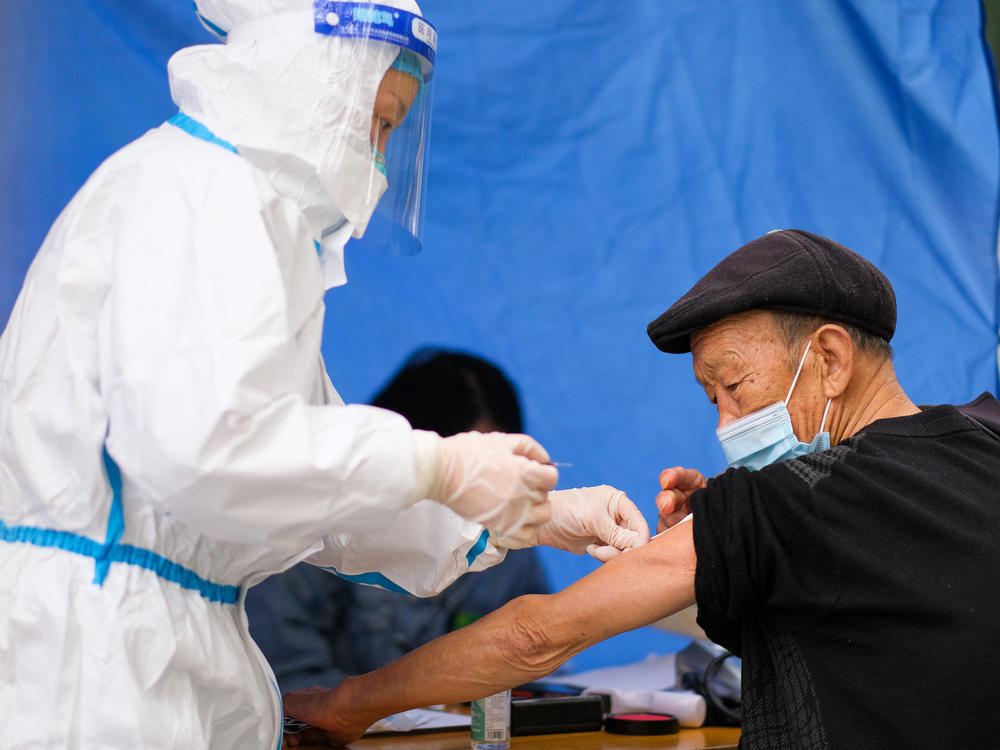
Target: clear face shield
[(400, 123)]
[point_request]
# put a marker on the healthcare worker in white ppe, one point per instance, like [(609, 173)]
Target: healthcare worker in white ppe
[(168, 433)]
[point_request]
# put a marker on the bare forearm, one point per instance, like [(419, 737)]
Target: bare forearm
[(523, 640), (490, 655)]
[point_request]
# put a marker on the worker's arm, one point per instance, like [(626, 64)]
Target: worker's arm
[(524, 640)]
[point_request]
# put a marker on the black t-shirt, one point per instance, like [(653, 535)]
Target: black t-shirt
[(861, 586)]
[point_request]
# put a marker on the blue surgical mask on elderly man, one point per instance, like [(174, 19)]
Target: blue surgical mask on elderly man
[(766, 436)]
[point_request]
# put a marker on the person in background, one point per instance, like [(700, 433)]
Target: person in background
[(850, 554), (316, 628)]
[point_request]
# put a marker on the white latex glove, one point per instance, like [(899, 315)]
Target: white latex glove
[(497, 479), (600, 521)]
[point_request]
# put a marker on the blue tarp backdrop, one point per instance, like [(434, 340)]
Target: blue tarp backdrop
[(589, 162)]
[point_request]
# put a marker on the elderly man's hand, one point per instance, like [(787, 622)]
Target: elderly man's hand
[(677, 485), (600, 521), (318, 707)]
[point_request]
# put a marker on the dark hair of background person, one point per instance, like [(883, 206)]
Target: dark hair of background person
[(451, 392)]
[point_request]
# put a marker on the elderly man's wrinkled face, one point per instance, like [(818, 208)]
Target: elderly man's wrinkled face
[(743, 364)]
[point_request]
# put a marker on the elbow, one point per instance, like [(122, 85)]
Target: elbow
[(533, 645)]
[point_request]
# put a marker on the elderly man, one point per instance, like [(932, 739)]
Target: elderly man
[(851, 556)]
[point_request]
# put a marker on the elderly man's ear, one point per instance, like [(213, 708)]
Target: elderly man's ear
[(836, 354)]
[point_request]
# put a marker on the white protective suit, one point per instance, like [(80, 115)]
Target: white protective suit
[(168, 433)]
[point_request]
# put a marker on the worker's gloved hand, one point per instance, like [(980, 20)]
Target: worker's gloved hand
[(600, 521), (673, 502), (497, 479)]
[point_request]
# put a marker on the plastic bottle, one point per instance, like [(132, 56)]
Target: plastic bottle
[(491, 722)]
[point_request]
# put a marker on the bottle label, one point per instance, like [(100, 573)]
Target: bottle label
[(491, 718)]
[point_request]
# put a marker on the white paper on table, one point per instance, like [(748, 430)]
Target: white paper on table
[(422, 719), (655, 672)]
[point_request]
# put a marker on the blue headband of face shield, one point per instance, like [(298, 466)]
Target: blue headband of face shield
[(369, 21), (382, 23)]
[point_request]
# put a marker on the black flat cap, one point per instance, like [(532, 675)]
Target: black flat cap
[(789, 270)]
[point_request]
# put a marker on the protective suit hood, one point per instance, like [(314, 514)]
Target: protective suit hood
[(296, 104)]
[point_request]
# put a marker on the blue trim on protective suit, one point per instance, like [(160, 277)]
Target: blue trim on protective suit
[(370, 579), (120, 553), (214, 28), (65, 540), (478, 547), (281, 715), (171, 571), (111, 551), (377, 579), (193, 127), (116, 521)]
